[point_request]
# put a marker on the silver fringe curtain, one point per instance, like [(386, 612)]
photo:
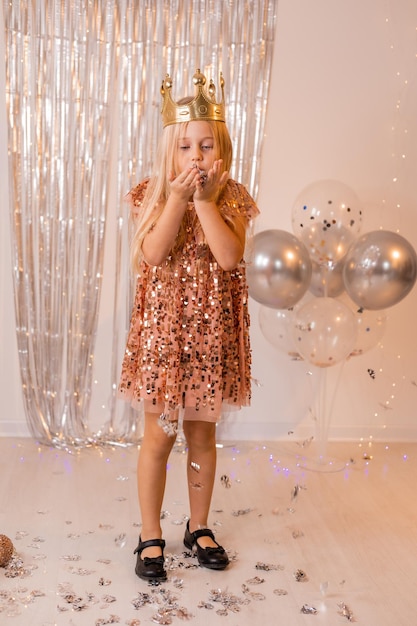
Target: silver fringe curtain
[(82, 91)]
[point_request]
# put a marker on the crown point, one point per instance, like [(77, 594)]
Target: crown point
[(166, 84), (202, 106), (212, 90), (199, 78)]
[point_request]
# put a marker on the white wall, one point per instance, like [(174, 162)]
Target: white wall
[(342, 106)]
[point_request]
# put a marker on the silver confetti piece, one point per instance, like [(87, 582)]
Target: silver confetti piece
[(240, 512), (255, 581), (103, 621), (345, 611), (296, 491), (183, 613), (252, 594), (170, 427), (16, 568), (307, 609), (162, 617), (81, 571), (203, 175), (306, 442), (120, 540), (71, 557), (79, 606), (141, 600), (300, 576), (20, 534), (225, 481), (280, 592), (229, 601), (222, 612), (268, 567), (205, 605), (257, 382), (108, 599)]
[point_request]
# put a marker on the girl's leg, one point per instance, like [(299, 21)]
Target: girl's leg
[(151, 478), (201, 470)]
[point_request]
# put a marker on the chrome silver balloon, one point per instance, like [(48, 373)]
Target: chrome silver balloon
[(380, 269), (280, 271)]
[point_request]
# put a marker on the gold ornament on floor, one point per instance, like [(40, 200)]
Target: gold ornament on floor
[(6, 550)]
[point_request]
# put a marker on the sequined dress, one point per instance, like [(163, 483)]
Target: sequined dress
[(188, 346)]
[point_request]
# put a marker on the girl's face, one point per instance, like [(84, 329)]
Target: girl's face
[(196, 147)]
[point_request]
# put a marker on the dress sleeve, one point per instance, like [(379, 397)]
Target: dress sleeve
[(237, 203), (134, 199)]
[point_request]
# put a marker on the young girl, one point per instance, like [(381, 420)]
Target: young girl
[(188, 347)]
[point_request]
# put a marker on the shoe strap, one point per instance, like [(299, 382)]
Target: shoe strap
[(149, 543), (203, 532)]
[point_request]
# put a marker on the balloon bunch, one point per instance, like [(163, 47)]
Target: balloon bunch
[(351, 278)]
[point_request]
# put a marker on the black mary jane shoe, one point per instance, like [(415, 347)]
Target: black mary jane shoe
[(213, 558), (150, 568)]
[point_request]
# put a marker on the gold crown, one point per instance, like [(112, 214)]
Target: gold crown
[(202, 107)]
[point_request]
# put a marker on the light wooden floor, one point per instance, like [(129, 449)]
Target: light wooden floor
[(350, 526)]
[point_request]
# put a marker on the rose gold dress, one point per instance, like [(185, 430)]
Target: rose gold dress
[(188, 345)]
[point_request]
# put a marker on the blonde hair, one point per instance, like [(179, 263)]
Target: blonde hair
[(158, 188)]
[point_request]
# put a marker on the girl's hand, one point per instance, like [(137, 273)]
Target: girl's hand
[(207, 187), (184, 185)]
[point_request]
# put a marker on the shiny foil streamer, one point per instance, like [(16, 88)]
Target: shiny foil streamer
[(83, 106), (60, 69)]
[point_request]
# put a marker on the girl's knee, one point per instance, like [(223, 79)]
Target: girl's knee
[(158, 436), (200, 434)]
